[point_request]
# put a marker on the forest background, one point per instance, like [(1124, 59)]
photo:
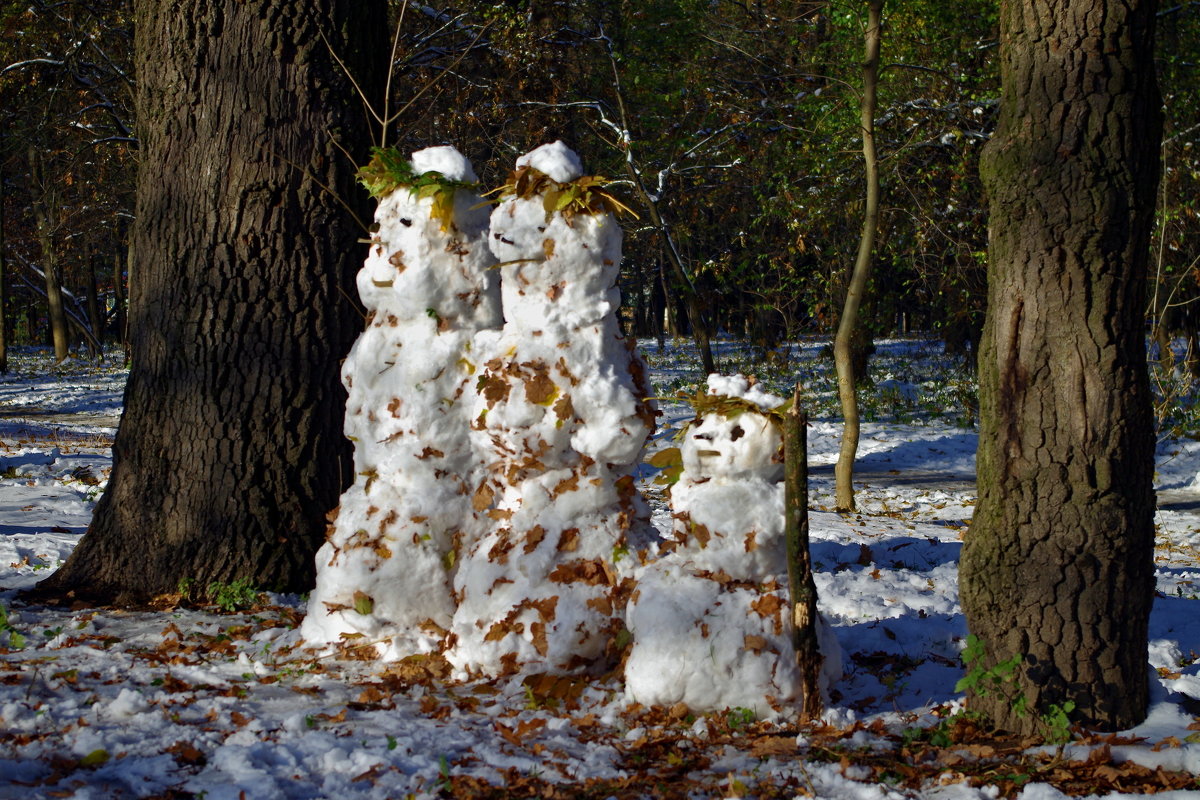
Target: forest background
[(743, 156)]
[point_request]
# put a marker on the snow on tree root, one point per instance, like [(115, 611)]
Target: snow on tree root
[(710, 618), (562, 418), (383, 577)]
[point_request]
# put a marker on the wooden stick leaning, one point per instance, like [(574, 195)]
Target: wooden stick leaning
[(801, 587)]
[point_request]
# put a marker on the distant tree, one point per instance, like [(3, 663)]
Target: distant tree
[(1175, 281), (230, 451), (1057, 567), (46, 214), (67, 145)]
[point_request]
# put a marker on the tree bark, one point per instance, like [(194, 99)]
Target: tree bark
[(230, 451), (1057, 566), (844, 343)]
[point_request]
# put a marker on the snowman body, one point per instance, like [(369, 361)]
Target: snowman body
[(385, 574), (561, 420)]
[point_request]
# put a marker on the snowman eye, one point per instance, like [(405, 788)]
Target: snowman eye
[(704, 437), (406, 223), (736, 433)]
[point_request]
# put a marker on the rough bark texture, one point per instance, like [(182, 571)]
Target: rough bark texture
[(848, 334), (1057, 565), (230, 452)]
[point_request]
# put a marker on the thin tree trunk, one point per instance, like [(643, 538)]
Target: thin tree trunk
[(73, 319), (44, 206), (1057, 568), (848, 325), (126, 337), (93, 308), (658, 306), (802, 587), (230, 451), (119, 297), (691, 300), (54, 301)]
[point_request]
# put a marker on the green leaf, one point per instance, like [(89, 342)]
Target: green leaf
[(363, 603), (973, 650), (389, 170), (670, 461)]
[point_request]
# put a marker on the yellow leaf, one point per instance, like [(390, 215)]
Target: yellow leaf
[(667, 457), (443, 208)]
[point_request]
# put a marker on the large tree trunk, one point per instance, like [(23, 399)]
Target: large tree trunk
[(1057, 566), (849, 352), (230, 451)]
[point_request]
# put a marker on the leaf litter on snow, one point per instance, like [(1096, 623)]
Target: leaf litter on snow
[(183, 701)]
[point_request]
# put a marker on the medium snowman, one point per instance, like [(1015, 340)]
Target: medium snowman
[(561, 419)]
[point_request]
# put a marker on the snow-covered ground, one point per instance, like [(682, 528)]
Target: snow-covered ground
[(198, 702)]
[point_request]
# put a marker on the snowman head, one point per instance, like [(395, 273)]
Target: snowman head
[(735, 447), (736, 434)]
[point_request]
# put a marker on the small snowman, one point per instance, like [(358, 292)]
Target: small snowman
[(562, 418), (709, 619), (384, 575)]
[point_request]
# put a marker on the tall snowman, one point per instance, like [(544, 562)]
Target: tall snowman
[(561, 419), (384, 577)]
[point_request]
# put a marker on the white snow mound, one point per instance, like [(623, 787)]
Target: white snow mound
[(556, 160), (446, 160)]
